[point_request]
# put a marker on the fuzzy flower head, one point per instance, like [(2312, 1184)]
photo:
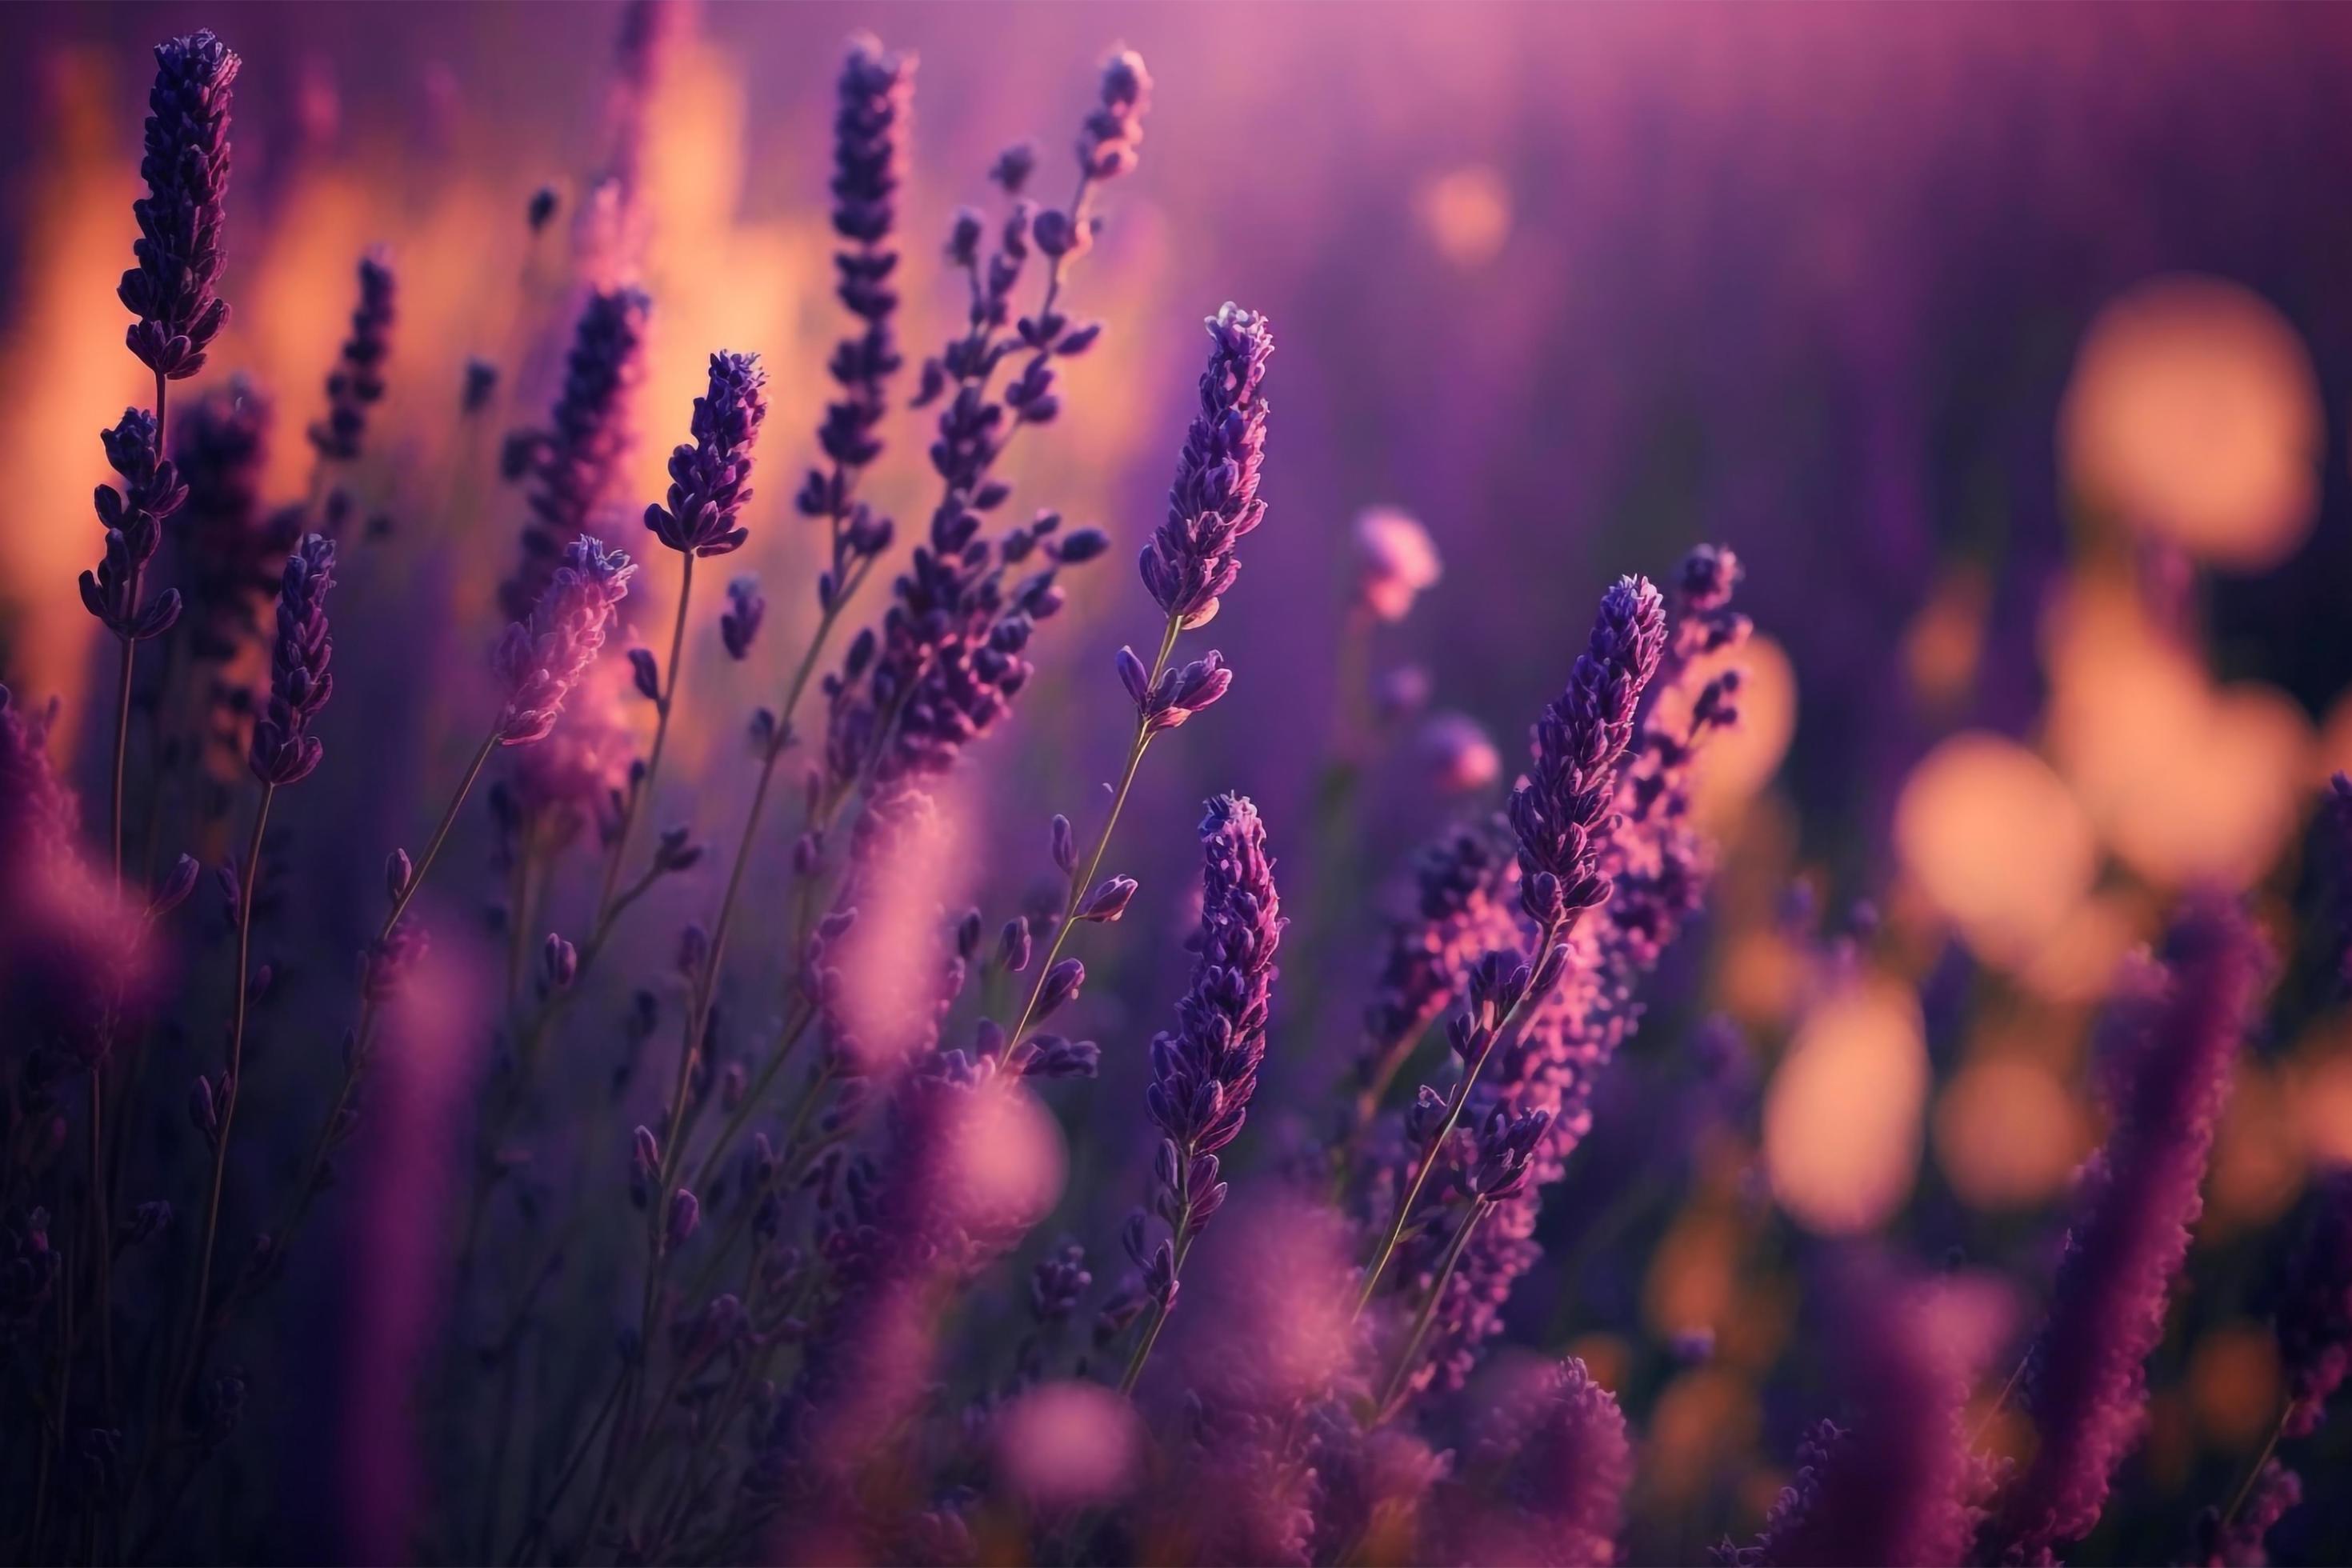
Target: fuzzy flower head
[(185, 165), (708, 477), (571, 463), (1545, 1476), (2173, 1045), (1190, 561), (356, 384), (1204, 1072), (541, 660), (283, 749), (1561, 812), (1112, 139), (1395, 562)]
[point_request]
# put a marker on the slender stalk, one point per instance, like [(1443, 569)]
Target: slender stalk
[(1084, 881), (1428, 1313), (2246, 1488), (101, 1234), (1549, 937), (663, 708), (233, 1087)]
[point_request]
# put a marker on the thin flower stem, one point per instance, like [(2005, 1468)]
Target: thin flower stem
[(1084, 881), (1428, 1313), (440, 833), (122, 735), (101, 1228), (642, 795), (2270, 1446), (1552, 932), (1134, 1373), (544, 1512), (233, 1089)]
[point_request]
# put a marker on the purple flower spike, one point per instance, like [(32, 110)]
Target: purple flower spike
[(543, 660), (571, 464), (707, 476), (283, 750), (739, 626), (134, 518), (2167, 1074), (2315, 1310), (1545, 1475), (1562, 812), (1213, 502), (868, 161), (185, 165), (356, 384), (1112, 138), (1204, 1072)]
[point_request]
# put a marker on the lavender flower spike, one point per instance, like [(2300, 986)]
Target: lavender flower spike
[(543, 660), (1205, 1073), (707, 476), (134, 518), (2084, 1383), (1561, 812), (1213, 502), (2315, 1310), (185, 165), (283, 750), (356, 384), (574, 461)]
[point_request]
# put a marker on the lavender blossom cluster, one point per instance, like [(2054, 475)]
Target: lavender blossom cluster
[(693, 1145)]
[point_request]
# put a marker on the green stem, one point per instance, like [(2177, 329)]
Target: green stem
[(1150, 1337), (235, 1088), (1083, 883), (1552, 932), (642, 795), (1428, 1313), (2278, 1431)]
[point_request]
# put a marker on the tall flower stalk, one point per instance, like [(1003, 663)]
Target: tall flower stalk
[(2167, 1072), (283, 751), (1205, 1072), (1191, 562), (1559, 817)]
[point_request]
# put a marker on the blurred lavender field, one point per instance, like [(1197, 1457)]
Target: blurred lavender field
[(1839, 1056)]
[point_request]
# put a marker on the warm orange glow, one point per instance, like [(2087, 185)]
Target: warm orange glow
[(1739, 762), (1842, 1118), (2008, 1135), (2233, 1384), (2188, 782), (1995, 841), (2194, 414), (1467, 215)]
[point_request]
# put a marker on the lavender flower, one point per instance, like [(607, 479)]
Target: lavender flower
[(2240, 1541), (868, 158), (1545, 1475), (1457, 914), (134, 518), (283, 750), (356, 384), (739, 626), (1205, 1071), (1112, 138), (1560, 813), (541, 660), (185, 165), (572, 463), (2315, 1306), (2166, 1075), (39, 813), (1897, 1483), (1213, 502), (1658, 867), (707, 477)]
